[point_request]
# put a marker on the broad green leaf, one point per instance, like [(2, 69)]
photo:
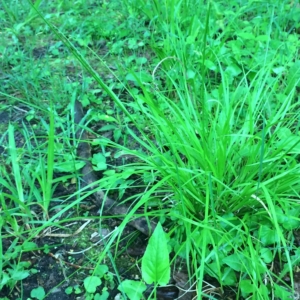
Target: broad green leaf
[(293, 77), (234, 262), (246, 287), (262, 38), (246, 35), (139, 77), (103, 296), (148, 177), (69, 166), (133, 289), (141, 60), (292, 219), (282, 293), (280, 215), (278, 70), (117, 134), (18, 275), (155, 262), (38, 293), (190, 74), (233, 70), (210, 65), (292, 223), (101, 270), (108, 127), (267, 235), (212, 270), (91, 283), (4, 280), (29, 246), (288, 141), (107, 118), (229, 277), (264, 291), (266, 255), (99, 162), (69, 290)]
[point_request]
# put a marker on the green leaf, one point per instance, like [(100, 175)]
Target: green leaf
[(155, 262), (233, 261), (4, 280), (77, 290), (117, 134), (69, 166), (278, 70), (101, 270), (262, 38), (213, 270), (108, 127), (282, 293), (91, 283), (266, 255), (293, 77), (246, 35), (148, 177), (101, 117), (29, 246), (233, 70), (280, 215), (246, 287), (69, 290), (267, 235), (229, 277), (292, 219), (99, 162), (18, 275), (190, 74), (133, 289), (38, 293), (139, 77), (288, 141), (264, 291), (141, 60), (103, 296), (210, 65)]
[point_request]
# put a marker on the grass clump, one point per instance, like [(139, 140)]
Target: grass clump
[(225, 129)]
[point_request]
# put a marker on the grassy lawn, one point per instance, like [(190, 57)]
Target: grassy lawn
[(149, 149)]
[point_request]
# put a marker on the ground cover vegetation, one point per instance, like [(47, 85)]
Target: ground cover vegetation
[(191, 109)]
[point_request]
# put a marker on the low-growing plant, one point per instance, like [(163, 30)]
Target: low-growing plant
[(13, 269), (92, 283), (156, 267)]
